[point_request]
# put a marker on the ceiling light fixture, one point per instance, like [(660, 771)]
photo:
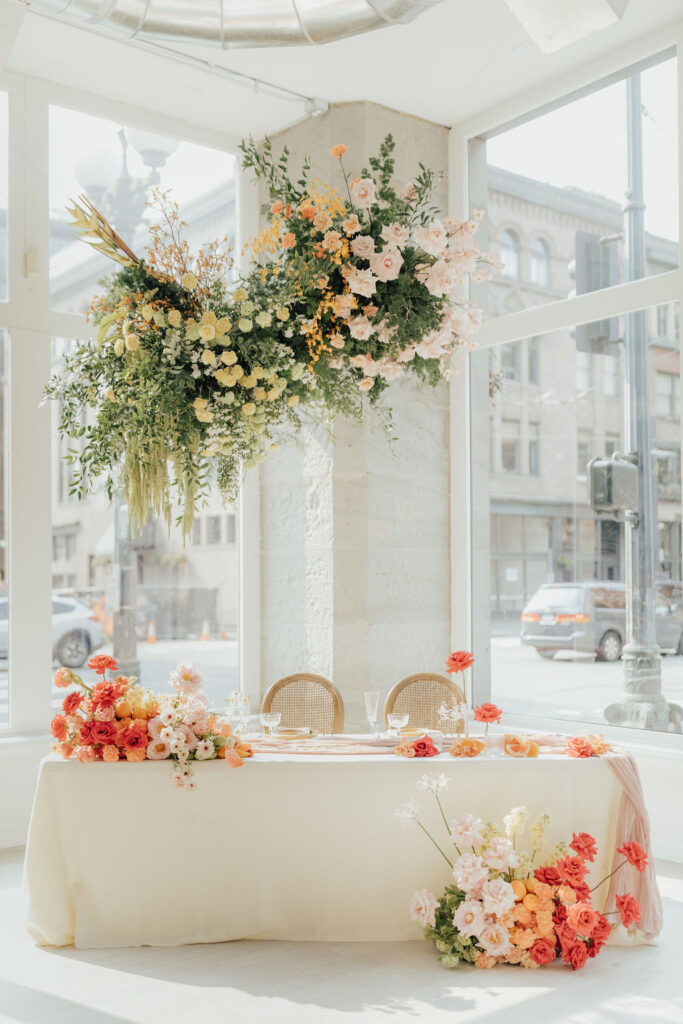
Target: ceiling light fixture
[(554, 24)]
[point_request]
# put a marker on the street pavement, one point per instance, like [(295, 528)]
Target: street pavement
[(570, 687)]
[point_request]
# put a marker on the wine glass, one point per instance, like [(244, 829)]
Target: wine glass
[(270, 720), (244, 708), (371, 699), (397, 721)]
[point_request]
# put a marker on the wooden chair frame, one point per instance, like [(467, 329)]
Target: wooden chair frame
[(337, 702), (457, 695)]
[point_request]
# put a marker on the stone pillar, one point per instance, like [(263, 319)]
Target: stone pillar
[(355, 550)]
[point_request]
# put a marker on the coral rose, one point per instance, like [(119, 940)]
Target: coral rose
[(58, 728), (576, 955), (635, 855), (103, 732), (578, 746), (601, 933), (542, 951), (425, 747), (571, 869), (582, 918), (135, 737), (487, 713), (549, 875), (99, 663), (338, 151), (458, 661), (584, 845), (64, 677), (629, 909), (71, 702)]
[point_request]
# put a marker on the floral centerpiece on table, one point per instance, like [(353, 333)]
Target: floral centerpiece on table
[(118, 720), (194, 373), (499, 908)]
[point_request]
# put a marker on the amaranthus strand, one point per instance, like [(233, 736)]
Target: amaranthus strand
[(430, 836), (609, 875)]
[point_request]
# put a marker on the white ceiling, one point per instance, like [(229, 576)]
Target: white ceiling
[(455, 60)]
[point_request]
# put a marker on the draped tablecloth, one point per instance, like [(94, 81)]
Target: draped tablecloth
[(287, 847)]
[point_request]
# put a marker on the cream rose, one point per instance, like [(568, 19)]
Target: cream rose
[(363, 246), (360, 328), (433, 238), (497, 896), (386, 264), (363, 192), (468, 871), (395, 234), (364, 283)]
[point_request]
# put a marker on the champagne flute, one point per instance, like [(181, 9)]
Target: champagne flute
[(371, 699), (397, 721)]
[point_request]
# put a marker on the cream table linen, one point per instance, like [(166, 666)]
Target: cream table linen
[(287, 847)]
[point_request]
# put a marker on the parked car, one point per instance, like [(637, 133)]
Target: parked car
[(591, 618), (76, 633)]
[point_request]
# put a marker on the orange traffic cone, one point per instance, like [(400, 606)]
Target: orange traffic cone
[(224, 634), (206, 635), (151, 633)]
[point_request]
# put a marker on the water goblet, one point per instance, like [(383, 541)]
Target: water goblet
[(270, 720), (244, 709), (371, 699), (397, 721)]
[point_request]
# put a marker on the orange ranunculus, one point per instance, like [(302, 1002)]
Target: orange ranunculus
[(338, 151), (288, 240), (579, 746), (634, 853), (58, 728), (101, 662), (458, 661), (110, 753), (66, 750), (487, 712), (85, 754), (72, 702), (139, 754), (64, 677), (277, 207)]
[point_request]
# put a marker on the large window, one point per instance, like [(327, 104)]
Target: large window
[(510, 254), (5, 709), (4, 187)]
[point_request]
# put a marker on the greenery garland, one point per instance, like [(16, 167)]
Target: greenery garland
[(188, 380)]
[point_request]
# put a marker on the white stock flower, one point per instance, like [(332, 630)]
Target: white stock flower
[(515, 821), (537, 832)]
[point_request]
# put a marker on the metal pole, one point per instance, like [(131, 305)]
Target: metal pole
[(643, 704), (125, 638)]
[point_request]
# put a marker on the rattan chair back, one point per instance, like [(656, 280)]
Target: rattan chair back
[(306, 700), (420, 696)]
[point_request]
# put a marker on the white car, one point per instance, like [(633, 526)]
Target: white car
[(76, 633)]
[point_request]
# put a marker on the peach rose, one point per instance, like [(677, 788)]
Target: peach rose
[(363, 192), (85, 754), (360, 328), (395, 235), (351, 225), (288, 240), (386, 265), (332, 241), (136, 755), (363, 283), (363, 246), (432, 238), (322, 221), (66, 750), (277, 207), (579, 746)]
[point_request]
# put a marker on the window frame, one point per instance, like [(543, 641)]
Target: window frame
[(470, 606), (31, 324)]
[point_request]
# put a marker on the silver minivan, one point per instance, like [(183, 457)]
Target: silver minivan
[(591, 618)]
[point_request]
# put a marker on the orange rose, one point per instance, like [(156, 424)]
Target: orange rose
[(579, 746), (277, 207)]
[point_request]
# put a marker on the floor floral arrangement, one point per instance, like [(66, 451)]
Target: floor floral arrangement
[(195, 372), (118, 720), (500, 908)]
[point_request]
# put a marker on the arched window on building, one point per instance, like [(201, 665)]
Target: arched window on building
[(509, 254), (540, 263)]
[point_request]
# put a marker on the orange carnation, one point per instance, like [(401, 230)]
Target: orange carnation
[(277, 207), (338, 151)]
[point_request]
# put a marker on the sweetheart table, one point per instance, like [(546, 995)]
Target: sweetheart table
[(287, 847)]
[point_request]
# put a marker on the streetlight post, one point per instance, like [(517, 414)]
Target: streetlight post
[(643, 704), (125, 643)]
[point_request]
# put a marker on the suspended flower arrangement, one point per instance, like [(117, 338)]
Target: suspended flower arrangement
[(193, 377)]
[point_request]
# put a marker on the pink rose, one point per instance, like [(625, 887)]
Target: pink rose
[(363, 246), (468, 870), (363, 192), (469, 917), (386, 264), (363, 282), (395, 235), (500, 855), (360, 328), (466, 830), (432, 238), (497, 896), (423, 908), (351, 225), (494, 939), (440, 279)]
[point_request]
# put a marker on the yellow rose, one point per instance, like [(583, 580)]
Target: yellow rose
[(239, 295), (245, 324), (209, 317), (207, 332), (119, 346), (264, 319), (282, 313), (204, 417), (249, 409), (225, 378), (189, 281), (208, 357), (147, 312), (238, 371), (174, 317), (132, 342), (248, 381), (228, 357), (260, 394), (293, 400), (223, 326), (200, 403), (111, 397), (273, 394)]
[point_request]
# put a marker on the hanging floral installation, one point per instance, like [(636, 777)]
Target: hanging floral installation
[(195, 374)]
